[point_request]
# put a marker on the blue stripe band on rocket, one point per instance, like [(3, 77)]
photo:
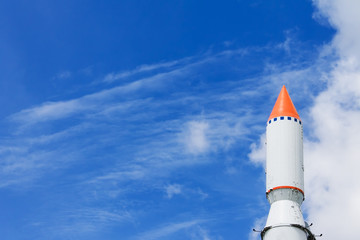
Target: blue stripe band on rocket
[(283, 118)]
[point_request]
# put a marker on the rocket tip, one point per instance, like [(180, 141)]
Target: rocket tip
[(284, 106)]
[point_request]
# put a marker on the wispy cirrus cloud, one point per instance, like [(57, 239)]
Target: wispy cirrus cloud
[(50, 111), (140, 134), (79, 116), (82, 222), (114, 76), (213, 120), (169, 229), (159, 81)]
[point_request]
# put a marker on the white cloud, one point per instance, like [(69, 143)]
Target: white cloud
[(213, 132), (202, 194), (258, 152), (343, 15), (331, 175), (195, 138), (173, 189)]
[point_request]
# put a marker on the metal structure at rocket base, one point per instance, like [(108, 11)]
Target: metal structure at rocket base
[(285, 173)]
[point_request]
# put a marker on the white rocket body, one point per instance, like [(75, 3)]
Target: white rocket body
[(284, 153), (285, 173)]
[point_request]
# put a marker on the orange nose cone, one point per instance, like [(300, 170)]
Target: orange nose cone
[(284, 106)]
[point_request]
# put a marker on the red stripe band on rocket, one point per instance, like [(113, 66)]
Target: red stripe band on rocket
[(286, 187)]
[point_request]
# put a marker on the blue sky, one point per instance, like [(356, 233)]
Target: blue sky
[(145, 119)]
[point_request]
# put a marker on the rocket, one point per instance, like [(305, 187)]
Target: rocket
[(285, 173)]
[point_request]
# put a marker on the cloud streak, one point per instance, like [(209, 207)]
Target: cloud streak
[(169, 229), (111, 77), (139, 135)]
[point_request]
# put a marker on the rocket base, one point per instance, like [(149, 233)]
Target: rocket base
[(283, 215), (285, 232), (285, 221)]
